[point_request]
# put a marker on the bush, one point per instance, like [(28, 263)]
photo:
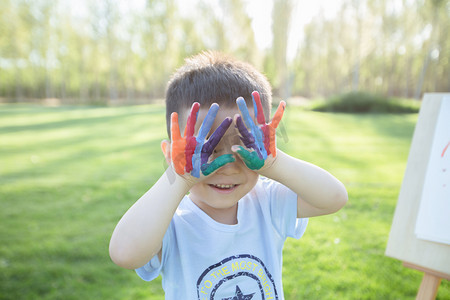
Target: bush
[(362, 102)]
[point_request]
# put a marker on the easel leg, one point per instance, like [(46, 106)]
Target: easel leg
[(429, 287)]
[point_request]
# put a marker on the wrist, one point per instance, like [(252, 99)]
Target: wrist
[(178, 182), (271, 170)]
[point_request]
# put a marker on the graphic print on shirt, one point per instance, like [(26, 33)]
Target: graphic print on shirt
[(237, 277)]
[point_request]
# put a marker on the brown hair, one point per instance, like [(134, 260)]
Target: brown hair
[(212, 77)]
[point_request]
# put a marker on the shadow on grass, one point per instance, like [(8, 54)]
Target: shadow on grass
[(85, 121)]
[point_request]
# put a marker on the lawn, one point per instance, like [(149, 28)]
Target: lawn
[(67, 174)]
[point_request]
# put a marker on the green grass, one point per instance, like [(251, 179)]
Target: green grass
[(67, 174)]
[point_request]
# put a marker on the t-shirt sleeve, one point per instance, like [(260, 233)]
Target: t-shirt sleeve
[(153, 268), (283, 208), (150, 270)]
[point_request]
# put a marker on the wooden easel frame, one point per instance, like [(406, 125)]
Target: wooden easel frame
[(429, 257), (430, 282)]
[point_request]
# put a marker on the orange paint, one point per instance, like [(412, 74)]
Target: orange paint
[(278, 115), (178, 145), (273, 126)]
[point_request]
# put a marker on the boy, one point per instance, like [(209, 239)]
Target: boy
[(224, 239)]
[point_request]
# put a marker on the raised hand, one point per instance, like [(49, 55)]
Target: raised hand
[(190, 154), (259, 140)]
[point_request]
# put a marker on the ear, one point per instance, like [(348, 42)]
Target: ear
[(165, 147)]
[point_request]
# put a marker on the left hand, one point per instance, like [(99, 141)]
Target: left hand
[(260, 141)]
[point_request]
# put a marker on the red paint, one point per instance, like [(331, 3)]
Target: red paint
[(259, 109), (191, 141), (445, 149)]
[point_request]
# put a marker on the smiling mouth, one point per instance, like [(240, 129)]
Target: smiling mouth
[(223, 186)]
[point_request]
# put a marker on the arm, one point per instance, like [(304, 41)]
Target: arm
[(139, 234), (318, 192)]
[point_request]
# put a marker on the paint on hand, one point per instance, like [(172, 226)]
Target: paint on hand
[(262, 138), (189, 153), (208, 168), (271, 129), (250, 158), (178, 145), (258, 109), (189, 131), (214, 139), (204, 129), (246, 137), (254, 129)]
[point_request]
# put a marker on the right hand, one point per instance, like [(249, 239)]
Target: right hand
[(190, 154)]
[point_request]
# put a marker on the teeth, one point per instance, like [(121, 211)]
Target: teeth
[(224, 186)]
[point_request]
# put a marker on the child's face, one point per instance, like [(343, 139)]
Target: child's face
[(222, 190)]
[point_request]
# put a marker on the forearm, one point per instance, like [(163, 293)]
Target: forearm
[(138, 235), (318, 191)]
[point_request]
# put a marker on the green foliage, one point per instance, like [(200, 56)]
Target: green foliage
[(363, 102), (68, 174), (82, 51)]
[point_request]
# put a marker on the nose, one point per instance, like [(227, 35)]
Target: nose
[(221, 150), (230, 169), (224, 146)]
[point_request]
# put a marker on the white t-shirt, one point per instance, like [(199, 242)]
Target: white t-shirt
[(204, 259)]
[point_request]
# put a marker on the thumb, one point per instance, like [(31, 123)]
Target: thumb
[(165, 147), (250, 158), (209, 168)]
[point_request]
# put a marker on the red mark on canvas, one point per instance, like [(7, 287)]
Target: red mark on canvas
[(445, 149)]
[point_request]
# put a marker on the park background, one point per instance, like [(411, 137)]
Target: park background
[(81, 119)]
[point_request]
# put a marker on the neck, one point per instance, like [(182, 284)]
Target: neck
[(229, 217)]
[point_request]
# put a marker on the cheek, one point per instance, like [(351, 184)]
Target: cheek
[(252, 176), (196, 191)]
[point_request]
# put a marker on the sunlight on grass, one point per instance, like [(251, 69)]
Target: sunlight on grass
[(69, 173)]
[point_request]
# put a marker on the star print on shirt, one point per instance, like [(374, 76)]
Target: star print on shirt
[(239, 295)]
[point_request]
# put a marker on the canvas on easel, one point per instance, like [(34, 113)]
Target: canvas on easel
[(420, 246), (433, 220)]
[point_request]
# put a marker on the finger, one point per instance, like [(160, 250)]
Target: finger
[(219, 162), (178, 157), (245, 113), (191, 144), (257, 106), (257, 133), (192, 119), (196, 162), (246, 137), (203, 132), (189, 134), (270, 140), (278, 115), (250, 158), (214, 139), (178, 145), (174, 127), (207, 122)]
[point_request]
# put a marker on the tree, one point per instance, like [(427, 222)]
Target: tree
[(281, 16)]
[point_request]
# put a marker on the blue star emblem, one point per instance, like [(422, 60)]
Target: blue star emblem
[(239, 295)]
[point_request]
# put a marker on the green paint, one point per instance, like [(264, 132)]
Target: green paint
[(217, 163), (250, 158)]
